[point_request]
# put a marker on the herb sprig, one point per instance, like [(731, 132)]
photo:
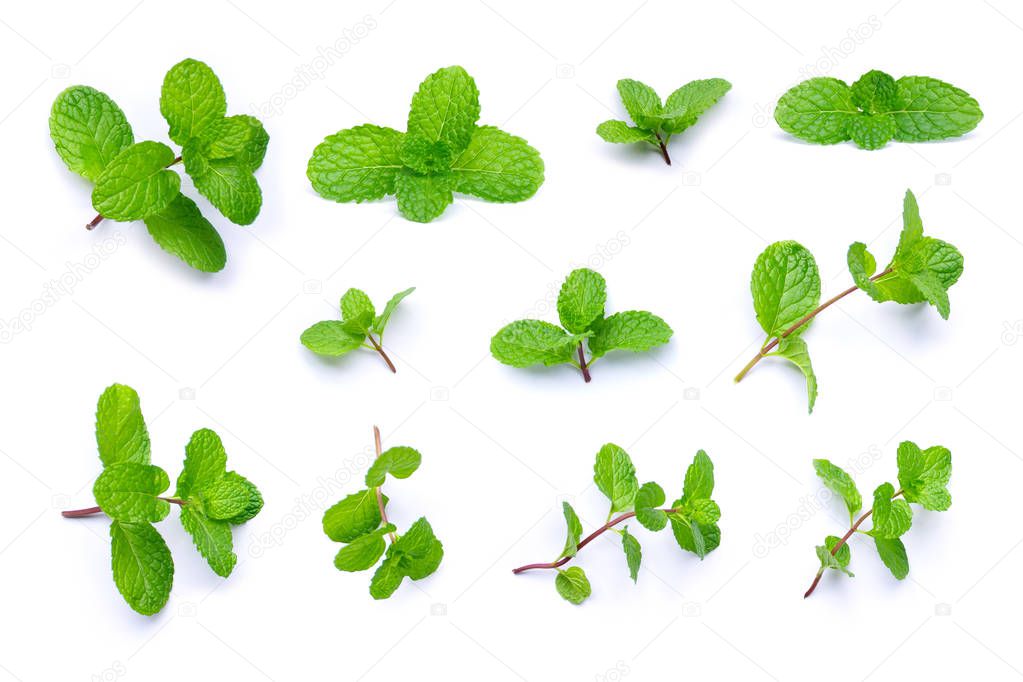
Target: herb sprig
[(360, 521), (130, 491), (133, 181), (693, 517), (525, 343), (786, 287), (923, 479)]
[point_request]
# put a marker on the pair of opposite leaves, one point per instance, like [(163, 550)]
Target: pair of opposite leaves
[(132, 180)]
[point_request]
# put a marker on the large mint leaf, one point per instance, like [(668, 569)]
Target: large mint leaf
[(128, 492), (817, 110), (142, 566), (191, 99), (182, 230), (615, 476), (893, 554), (533, 342), (227, 183), (642, 103), (331, 337), (892, 517), (88, 130), (838, 481), (684, 106), (632, 330), (421, 198), (205, 462), (355, 515), (786, 286), (581, 300), (121, 433), (444, 112), (930, 109), (364, 552), (358, 164), (621, 132), (497, 166), (699, 479), (136, 183), (875, 92), (212, 539)]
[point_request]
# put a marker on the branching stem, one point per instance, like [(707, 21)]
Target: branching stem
[(89, 511), (585, 541), (380, 495), (380, 349), (765, 351), (91, 225)]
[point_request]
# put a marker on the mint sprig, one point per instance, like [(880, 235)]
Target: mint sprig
[(786, 287), (359, 327), (132, 180), (876, 109), (656, 121), (130, 490), (526, 343), (360, 521), (923, 479), (443, 151), (693, 517)]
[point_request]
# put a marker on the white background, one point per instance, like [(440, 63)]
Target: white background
[(502, 447)]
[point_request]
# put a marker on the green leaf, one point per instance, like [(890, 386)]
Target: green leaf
[(497, 166), (253, 504), (191, 99), (912, 227), (581, 300), (386, 579), (136, 183), (421, 198), (358, 164), (893, 554), (875, 92), (633, 553), (142, 566), (843, 555), (892, 518), (575, 531), (205, 462), (355, 515), (121, 434), (684, 106), (649, 497), (621, 132), (572, 584), (181, 229), (615, 476), (400, 462), (924, 475), (356, 303), (227, 497), (533, 342), (871, 131), (862, 267), (840, 483), (364, 552), (930, 287), (786, 287), (128, 492), (418, 550), (930, 109), (228, 184), (88, 130), (793, 348), (817, 111), (829, 561), (380, 323), (642, 103), (703, 512), (633, 330), (692, 537), (699, 480), (212, 539), (330, 338), (240, 137), (445, 109)]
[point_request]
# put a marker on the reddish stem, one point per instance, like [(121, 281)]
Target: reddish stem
[(89, 511), (379, 349), (582, 364), (664, 149), (380, 495)]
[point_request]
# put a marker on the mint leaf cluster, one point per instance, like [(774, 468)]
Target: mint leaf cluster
[(132, 181), (360, 521), (581, 301), (443, 151), (656, 121), (693, 517), (876, 109), (923, 480), (786, 287), (356, 329), (130, 490)]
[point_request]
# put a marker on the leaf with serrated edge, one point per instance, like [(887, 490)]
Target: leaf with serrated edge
[(142, 566), (581, 300), (88, 130), (358, 164), (121, 433), (136, 183), (525, 343), (786, 286), (182, 230), (497, 166), (573, 585), (632, 330), (400, 461), (615, 476)]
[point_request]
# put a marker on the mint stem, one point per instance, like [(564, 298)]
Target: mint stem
[(802, 321), (379, 349), (380, 495), (91, 225), (842, 541), (582, 364), (589, 538), (664, 148), (89, 511)]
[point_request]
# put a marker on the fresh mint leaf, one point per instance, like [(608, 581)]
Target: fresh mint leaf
[(875, 92), (330, 337), (129, 492), (793, 348), (364, 552), (581, 300), (871, 131), (786, 287), (633, 553), (358, 164), (839, 482), (893, 554), (924, 475), (444, 112), (121, 434), (380, 323), (575, 531), (421, 198), (649, 497), (828, 561), (843, 554), (205, 462), (135, 184), (400, 461), (142, 566), (703, 512), (930, 109), (354, 516), (817, 110), (355, 303), (182, 230), (572, 585), (699, 479), (239, 137), (615, 476), (227, 497), (228, 184), (692, 537), (533, 342), (88, 130), (212, 540), (633, 330), (655, 121), (191, 99)]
